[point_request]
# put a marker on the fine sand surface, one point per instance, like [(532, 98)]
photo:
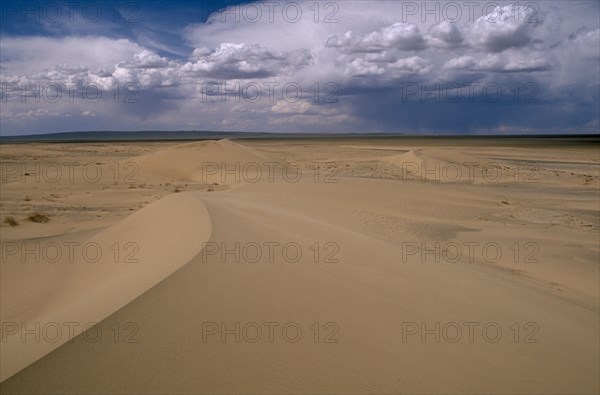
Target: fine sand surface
[(301, 266)]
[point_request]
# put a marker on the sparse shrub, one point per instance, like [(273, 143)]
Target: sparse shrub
[(11, 221), (38, 218)]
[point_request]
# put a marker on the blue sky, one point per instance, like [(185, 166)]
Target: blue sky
[(446, 67)]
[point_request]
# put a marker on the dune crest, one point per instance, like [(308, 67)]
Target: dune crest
[(152, 244)]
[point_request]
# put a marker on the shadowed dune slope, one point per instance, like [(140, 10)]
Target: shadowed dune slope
[(118, 264)]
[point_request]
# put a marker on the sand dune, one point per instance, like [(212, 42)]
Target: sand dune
[(347, 262), (442, 165), (204, 161), (151, 244)]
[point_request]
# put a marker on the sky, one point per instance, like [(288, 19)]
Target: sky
[(375, 66)]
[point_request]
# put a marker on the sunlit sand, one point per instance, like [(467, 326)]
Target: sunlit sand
[(301, 266)]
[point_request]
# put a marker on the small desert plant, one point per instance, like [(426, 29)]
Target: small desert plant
[(38, 218), (11, 221)]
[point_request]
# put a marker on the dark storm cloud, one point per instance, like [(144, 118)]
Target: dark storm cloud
[(516, 68)]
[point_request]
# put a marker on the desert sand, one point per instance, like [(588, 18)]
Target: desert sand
[(300, 266)]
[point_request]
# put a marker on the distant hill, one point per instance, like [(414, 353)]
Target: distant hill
[(156, 135)]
